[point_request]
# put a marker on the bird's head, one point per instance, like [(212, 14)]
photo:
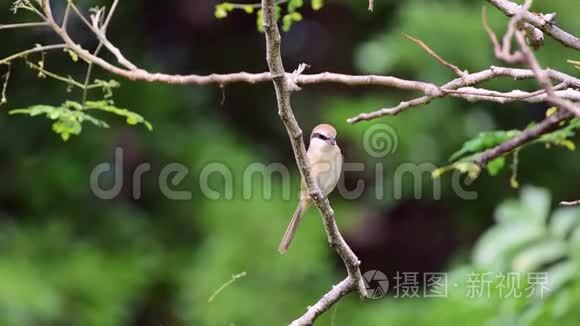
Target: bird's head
[(324, 132)]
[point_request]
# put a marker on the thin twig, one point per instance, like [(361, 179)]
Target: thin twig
[(432, 53), (33, 50), (100, 36), (5, 84), (473, 94), (98, 50), (67, 80), (24, 25), (66, 16), (225, 285), (570, 203)]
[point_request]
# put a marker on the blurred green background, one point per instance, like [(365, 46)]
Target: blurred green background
[(70, 258)]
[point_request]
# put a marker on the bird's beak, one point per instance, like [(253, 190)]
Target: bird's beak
[(332, 141)]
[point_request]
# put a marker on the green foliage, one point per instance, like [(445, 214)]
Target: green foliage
[(22, 4), (495, 166), (526, 239), (69, 117), (222, 10), (483, 141), (291, 16), (317, 4), (293, 5), (463, 160), (289, 19)]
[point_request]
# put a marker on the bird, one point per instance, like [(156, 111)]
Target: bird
[(325, 160)]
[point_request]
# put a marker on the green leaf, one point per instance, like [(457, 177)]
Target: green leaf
[(107, 86), (289, 19), (286, 23), (483, 141), (537, 201), (511, 212), (317, 4), (495, 166), (222, 9), (560, 274), (561, 136), (294, 4), (471, 169), (563, 220), (132, 118), (70, 116), (514, 183), (496, 245), (73, 55), (248, 9), (260, 20), (539, 255)]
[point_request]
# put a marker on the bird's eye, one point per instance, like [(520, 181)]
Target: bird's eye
[(319, 135)]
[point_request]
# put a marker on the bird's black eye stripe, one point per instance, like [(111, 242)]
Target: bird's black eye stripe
[(320, 136)]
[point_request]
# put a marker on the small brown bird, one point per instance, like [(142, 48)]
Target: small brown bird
[(325, 161)]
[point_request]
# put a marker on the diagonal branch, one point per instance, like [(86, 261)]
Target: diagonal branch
[(550, 123), (432, 53), (284, 86)]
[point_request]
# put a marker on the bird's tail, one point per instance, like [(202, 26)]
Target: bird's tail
[(291, 230)]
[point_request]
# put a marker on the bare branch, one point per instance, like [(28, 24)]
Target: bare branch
[(98, 49), (468, 80), (100, 34), (570, 203), (4, 87), (325, 303), (23, 25), (473, 94), (543, 78), (33, 50), (284, 86), (503, 51), (432, 53), (371, 5), (66, 16), (544, 22)]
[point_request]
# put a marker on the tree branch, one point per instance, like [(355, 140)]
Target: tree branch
[(284, 85), (543, 22), (570, 203), (467, 80), (543, 78), (33, 50), (430, 90), (23, 25), (432, 53), (550, 123)]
